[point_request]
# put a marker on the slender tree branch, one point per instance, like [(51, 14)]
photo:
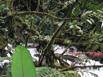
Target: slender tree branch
[(48, 47), (40, 13), (53, 37)]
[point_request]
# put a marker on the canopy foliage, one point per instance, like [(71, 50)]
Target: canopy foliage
[(47, 22)]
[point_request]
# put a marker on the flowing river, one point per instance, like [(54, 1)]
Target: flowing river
[(91, 72), (90, 68)]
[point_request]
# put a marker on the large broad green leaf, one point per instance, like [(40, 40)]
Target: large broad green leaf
[(22, 64)]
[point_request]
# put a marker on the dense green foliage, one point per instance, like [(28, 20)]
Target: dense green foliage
[(40, 18), (51, 72), (67, 22)]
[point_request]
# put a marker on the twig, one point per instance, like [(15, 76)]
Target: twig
[(48, 47), (41, 13)]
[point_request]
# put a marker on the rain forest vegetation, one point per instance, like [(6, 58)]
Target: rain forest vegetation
[(47, 22)]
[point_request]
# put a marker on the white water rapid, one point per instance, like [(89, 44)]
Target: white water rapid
[(91, 68), (91, 72)]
